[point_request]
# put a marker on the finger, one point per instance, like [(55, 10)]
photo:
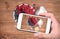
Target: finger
[(41, 35), (50, 15)]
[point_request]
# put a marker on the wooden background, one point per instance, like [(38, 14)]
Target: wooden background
[(8, 26)]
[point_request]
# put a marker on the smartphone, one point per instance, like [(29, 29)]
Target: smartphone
[(33, 23)]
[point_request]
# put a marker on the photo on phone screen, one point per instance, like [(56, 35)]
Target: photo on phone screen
[(34, 23)]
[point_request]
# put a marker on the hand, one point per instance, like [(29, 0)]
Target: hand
[(54, 34)]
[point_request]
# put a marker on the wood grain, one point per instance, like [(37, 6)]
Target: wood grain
[(8, 26)]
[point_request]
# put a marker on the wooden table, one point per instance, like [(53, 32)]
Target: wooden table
[(8, 26)]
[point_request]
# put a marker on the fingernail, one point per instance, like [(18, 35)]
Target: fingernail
[(35, 34)]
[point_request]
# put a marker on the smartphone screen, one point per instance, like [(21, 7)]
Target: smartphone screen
[(34, 23)]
